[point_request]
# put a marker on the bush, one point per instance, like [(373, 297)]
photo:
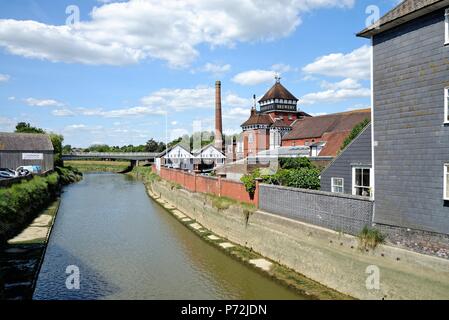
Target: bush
[(249, 181), (370, 238), (20, 202), (355, 132), (295, 163), (296, 178)]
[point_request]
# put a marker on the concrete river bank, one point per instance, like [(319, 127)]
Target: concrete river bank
[(126, 246)]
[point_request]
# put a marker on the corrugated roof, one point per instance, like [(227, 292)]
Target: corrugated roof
[(278, 91), (25, 142), (316, 127), (407, 10)]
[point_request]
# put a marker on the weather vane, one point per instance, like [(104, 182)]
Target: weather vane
[(277, 77)]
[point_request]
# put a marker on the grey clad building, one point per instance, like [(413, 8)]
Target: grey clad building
[(26, 149), (351, 171), (411, 116)]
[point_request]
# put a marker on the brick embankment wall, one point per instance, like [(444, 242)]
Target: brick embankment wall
[(211, 185), (326, 256)]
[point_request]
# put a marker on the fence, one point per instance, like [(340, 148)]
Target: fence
[(345, 213), (212, 185)]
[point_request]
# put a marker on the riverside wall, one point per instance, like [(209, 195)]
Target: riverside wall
[(328, 257)]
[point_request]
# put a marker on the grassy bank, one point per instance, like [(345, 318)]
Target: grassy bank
[(98, 166), (21, 202)]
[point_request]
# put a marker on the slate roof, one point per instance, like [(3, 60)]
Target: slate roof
[(317, 127), (258, 118), (278, 91), (25, 142), (407, 10)]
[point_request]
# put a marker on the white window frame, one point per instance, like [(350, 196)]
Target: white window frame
[(333, 184), (446, 27), (370, 179), (446, 105), (445, 188)]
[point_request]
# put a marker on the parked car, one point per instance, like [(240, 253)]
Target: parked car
[(4, 174), (9, 172), (32, 169), (23, 172)]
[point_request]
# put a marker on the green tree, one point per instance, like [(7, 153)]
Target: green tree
[(296, 163), (355, 132), (66, 149), (23, 127), (56, 140)]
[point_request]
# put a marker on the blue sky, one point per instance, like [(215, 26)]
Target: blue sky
[(113, 77)]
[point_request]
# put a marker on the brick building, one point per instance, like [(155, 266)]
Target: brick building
[(265, 128), (324, 134)]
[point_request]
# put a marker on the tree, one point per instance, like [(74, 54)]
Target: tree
[(23, 127), (151, 145), (56, 140), (295, 163), (66, 149), (355, 132)]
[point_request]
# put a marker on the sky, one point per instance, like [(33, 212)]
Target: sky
[(122, 72)]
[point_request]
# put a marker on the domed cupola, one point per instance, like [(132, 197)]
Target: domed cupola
[(278, 98)]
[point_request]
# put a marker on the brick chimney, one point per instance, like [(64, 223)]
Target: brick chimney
[(218, 118)]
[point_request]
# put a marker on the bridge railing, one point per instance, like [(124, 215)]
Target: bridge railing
[(112, 154)]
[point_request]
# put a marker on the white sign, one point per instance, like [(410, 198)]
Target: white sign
[(32, 156)]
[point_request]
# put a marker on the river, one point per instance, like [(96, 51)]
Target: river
[(126, 246)]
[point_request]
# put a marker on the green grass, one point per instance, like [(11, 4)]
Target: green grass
[(223, 203), (20, 202), (98, 166), (370, 238)]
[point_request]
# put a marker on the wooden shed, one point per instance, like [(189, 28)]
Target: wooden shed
[(26, 149)]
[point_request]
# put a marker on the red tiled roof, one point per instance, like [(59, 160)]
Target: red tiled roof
[(278, 91), (316, 127), (334, 141)]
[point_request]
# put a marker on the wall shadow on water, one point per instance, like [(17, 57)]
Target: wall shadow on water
[(51, 283)]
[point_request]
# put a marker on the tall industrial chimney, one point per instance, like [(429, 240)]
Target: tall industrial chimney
[(218, 118)]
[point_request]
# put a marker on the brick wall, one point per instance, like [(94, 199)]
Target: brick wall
[(338, 212), (212, 185)]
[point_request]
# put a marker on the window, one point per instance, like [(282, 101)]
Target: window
[(446, 27), (361, 182), (446, 182), (446, 105), (338, 185)]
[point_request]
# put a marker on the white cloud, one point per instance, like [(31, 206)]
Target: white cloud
[(12, 98), (43, 102), (344, 84), (355, 65), (215, 69), (63, 113), (4, 77), (281, 68), (128, 32), (334, 95), (254, 77)]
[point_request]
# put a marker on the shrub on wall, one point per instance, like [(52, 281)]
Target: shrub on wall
[(295, 163), (296, 178)]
